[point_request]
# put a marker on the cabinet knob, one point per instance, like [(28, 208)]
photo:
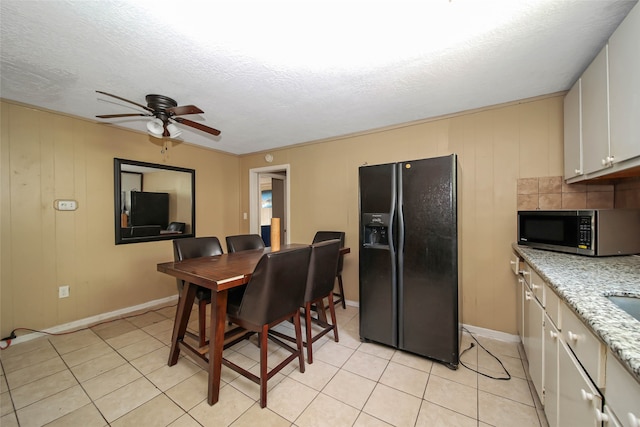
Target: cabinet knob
[(633, 420), (601, 416), (607, 161), (586, 395), (577, 171), (525, 273), (512, 262), (553, 334), (572, 336), (527, 295), (534, 287)]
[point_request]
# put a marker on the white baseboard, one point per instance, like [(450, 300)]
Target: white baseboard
[(483, 332), (490, 333), (78, 324)]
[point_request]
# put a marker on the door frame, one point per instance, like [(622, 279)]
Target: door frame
[(254, 197)]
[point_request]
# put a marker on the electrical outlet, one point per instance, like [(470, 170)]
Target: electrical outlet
[(65, 205), (63, 291)]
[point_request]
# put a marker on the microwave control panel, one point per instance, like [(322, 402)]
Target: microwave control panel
[(584, 230)]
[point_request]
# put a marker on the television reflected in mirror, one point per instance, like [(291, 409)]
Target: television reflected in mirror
[(153, 202)]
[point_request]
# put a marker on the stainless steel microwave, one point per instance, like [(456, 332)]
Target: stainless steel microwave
[(592, 232)]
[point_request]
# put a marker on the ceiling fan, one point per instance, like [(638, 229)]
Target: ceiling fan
[(165, 111)]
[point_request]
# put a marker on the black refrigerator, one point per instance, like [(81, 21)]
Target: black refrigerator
[(409, 291)]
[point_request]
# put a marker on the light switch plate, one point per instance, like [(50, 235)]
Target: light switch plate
[(66, 205)]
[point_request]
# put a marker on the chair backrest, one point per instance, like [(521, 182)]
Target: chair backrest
[(195, 247), (276, 287), (176, 226), (244, 242), (323, 265), (330, 235)]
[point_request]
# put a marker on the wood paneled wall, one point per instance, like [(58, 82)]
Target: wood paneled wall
[(495, 146), (46, 156)]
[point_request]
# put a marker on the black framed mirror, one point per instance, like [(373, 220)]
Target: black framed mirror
[(153, 202)]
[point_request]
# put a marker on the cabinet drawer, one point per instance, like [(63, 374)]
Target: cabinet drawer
[(622, 393), (515, 264), (585, 345), (535, 282), (552, 305)]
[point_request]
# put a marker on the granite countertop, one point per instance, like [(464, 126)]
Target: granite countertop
[(583, 283)]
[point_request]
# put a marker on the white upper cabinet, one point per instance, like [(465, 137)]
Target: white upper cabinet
[(624, 88), (602, 110), (595, 115), (573, 131)]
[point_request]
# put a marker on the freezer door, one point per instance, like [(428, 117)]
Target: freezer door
[(378, 295), (428, 258)]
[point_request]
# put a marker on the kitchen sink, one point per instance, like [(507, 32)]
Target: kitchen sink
[(630, 304)]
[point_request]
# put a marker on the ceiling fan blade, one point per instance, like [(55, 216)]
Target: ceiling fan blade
[(113, 116), (196, 125), (184, 109), (126, 100)]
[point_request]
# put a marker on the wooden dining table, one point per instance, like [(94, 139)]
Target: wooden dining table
[(219, 274)]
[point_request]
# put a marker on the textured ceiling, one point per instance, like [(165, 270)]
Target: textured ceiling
[(271, 74)]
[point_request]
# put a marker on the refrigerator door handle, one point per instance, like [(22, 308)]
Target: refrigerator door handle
[(392, 217), (393, 249), (400, 254)]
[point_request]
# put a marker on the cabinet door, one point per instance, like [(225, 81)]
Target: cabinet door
[(578, 399), (595, 114), (624, 88), (551, 339), (573, 131), (622, 392), (519, 307), (533, 345)]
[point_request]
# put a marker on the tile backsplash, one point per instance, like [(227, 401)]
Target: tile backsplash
[(552, 193)]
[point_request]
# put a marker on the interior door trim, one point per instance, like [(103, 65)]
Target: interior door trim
[(254, 199)]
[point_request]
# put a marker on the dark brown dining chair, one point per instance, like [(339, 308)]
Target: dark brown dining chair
[(330, 235), (244, 242), (274, 294), (196, 247), (320, 280)]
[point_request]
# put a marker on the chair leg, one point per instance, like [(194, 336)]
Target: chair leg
[(307, 327), (341, 288), (332, 310), (296, 322), (202, 322), (263, 365)]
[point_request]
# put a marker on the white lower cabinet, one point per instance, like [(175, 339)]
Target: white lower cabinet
[(579, 382), (622, 394), (533, 344), (578, 399), (551, 383)]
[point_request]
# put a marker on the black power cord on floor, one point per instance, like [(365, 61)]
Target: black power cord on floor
[(13, 335), (507, 378)]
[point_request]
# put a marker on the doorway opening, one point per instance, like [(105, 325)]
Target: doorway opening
[(269, 191)]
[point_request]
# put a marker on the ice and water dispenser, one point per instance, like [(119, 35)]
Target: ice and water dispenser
[(376, 229)]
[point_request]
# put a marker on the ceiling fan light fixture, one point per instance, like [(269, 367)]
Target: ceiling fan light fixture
[(174, 132), (156, 127)]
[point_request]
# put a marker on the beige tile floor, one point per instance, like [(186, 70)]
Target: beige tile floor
[(116, 374)]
